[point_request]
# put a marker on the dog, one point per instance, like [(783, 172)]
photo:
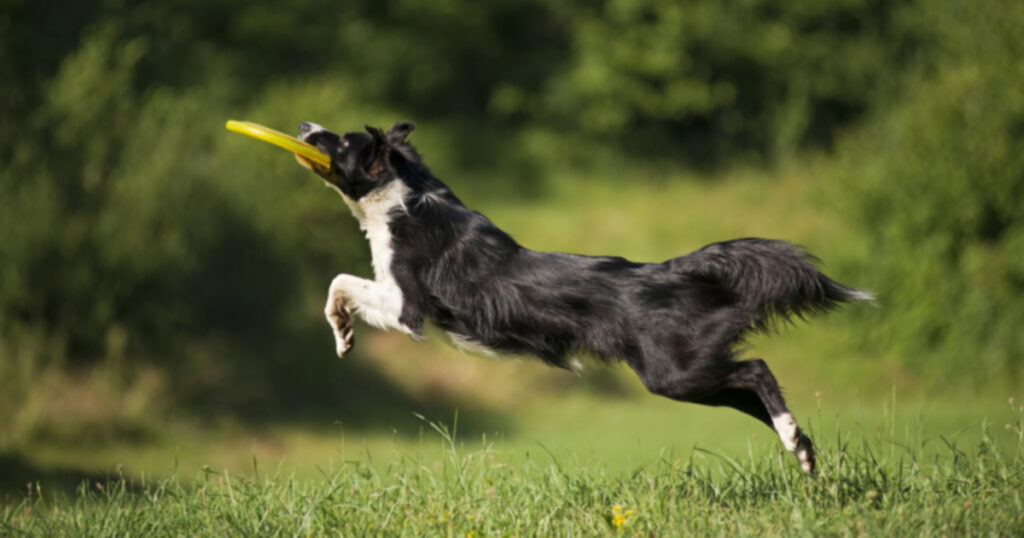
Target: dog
[(677, 324)]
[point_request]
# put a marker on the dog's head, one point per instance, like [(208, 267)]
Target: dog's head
[(361, 162)]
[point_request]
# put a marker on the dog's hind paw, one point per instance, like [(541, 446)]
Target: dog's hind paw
[(805, 454)]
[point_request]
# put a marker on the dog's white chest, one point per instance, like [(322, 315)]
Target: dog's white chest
[(382, 306), (374, 214)]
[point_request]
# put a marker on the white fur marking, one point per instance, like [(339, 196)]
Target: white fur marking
[(862, 295), (376, 208), (786, 427), (804, 457), (378, 301), (470, 346), (431, 197)]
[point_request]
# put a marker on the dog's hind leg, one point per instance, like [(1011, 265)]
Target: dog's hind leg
[(747, 386), (752, 383)]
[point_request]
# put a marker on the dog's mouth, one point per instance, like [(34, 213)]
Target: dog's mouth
[(305, 162), (319, 169)]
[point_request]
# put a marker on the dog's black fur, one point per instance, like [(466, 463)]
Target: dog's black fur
[(676, 324)]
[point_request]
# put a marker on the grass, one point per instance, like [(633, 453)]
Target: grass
[(866, 486), (617, 433)]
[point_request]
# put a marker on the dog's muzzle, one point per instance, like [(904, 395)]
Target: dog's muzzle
[(306, 130)]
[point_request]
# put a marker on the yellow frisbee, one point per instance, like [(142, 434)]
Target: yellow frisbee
[(306, 154)]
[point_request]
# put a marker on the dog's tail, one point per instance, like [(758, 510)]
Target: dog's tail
[(774, 280)]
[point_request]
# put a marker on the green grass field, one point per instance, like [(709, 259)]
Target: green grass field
[(897, 480)]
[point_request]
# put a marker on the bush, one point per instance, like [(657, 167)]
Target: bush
[(939, 176), (713, 81), (136, 226)]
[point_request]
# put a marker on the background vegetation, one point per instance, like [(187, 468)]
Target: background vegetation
[(159, 275)]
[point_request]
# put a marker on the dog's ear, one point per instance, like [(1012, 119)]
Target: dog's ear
[(377, 153), (400, 130), (378, 135)]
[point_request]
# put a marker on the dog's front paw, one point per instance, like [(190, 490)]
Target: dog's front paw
[(343, 341), (339, 316)]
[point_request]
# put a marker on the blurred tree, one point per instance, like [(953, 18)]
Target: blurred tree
[(940, 177), (711, 80), (132, 225), (703, 80)]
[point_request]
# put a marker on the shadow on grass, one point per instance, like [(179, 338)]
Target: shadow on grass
[(358, 397), (20, 477), (299, 382)]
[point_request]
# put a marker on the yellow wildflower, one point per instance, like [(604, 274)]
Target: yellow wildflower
[(619, 516)]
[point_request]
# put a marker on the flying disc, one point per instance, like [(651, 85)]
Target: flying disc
[(306, 154)]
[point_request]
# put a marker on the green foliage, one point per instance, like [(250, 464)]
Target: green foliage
[(717, 80), (140, 237), (939, 183), (702, 79), (705, 80), (135, 228)]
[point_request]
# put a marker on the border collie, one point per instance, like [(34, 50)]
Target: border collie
[(677, 324)]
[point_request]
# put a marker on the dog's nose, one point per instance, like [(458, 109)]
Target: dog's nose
[(307, 129)]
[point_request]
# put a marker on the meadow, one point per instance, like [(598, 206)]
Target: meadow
[(898, 481)]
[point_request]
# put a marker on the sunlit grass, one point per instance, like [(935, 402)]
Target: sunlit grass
[(616, 434), (864, 486)]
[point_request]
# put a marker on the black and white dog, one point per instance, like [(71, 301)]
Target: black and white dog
[(676, 324)]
